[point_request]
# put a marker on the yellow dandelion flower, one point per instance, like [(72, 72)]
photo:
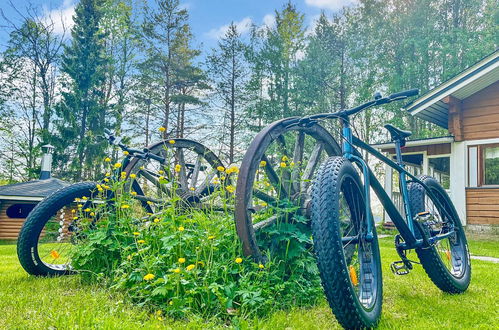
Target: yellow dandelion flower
[(201, 263), (220, 168), (54, 254), (283, 164), (107, 159), (192, 188), (181, 260), (230, 188), (108, 174), (239, 260), (126, 153), (161, 177), (156, 220), (178, 168), (117, 165), (75, 218), (149, 277), (133, 176), (292, 164), (171, 141), (176, 270), (141, 241), (263, 204), (222, 178), (141, 168), (211, 237), (124, 174), (161, 172), (129, 257), (92, 214), (87, 209), (133, 193), (150, 203), (284, 158), (106, 180), (161, 129), (136, 233), (190, 267), (80, 206), (84, 198), (125, 206), (73, 211), (261, 266), (263, 163), (181, 228)]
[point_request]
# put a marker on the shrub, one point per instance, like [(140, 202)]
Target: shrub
[(184, 261)]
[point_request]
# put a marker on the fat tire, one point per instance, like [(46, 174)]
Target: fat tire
[(27, 244), (329, 248), (429, 257)]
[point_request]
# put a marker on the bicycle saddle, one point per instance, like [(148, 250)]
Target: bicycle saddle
[(397, 133)]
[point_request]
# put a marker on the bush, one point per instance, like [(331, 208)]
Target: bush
[(183, 261)]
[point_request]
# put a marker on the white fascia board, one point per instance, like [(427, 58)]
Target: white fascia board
[(424, 105), (21, 198)]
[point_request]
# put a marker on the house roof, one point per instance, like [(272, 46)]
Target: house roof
[(32, 190), (416, 143), (430, 106)]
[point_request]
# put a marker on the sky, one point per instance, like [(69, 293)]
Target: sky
[(208, 18)]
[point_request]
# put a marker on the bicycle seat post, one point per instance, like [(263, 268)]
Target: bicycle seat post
[(398, 152)]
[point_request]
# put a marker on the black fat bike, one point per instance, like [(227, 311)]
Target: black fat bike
[(179, 168), (345, 239)]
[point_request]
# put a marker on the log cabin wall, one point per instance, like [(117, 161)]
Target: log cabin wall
[(480, 114), (480, 120), (10, 227), (482, 206)]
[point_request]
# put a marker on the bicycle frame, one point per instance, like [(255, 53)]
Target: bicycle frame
[(404, 224)]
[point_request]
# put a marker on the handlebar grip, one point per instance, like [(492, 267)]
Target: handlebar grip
[(404, 94)]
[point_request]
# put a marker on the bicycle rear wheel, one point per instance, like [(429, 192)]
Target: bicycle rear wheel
[(446, 262), (349, 264)]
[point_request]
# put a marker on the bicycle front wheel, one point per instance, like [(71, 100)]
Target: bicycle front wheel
[(349, 264)]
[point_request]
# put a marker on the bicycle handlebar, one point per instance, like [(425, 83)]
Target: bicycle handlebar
[(379, 101), (144, 154)]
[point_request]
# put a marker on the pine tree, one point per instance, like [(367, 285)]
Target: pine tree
[(229, 71), (82, 110)]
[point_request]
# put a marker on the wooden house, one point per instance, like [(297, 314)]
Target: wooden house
[(18, 199), (466, 161)]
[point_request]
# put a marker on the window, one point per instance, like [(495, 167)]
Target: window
[(19, 211), (440, 170), (483, 165), (490, 163)]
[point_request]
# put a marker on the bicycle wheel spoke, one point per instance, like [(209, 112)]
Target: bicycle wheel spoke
[(182, 173), (297, 159), (274, 178), (264, 197), (195, 172), (151, 177), (311, 166)]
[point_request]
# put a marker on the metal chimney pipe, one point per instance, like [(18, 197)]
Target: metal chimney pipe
[(48, 150)]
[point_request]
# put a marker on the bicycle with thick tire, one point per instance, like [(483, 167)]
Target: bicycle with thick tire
[(344, 234), (179, 171)]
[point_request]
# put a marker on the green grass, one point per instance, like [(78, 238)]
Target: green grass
[(410, 301), (484, 245)]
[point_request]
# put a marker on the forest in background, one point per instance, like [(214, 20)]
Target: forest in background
[(133, 66)]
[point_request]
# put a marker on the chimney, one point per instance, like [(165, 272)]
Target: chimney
[(46, 161)]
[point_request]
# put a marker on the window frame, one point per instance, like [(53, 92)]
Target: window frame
[(480, 165)]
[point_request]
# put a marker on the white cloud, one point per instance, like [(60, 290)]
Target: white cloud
[(243, 27), (269, 20), (61, 17), (330, 4)]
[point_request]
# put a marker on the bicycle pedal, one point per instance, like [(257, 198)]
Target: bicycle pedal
[(399, 268)]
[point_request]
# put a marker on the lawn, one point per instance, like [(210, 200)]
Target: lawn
[(410, 301)]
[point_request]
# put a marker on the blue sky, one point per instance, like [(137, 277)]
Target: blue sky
[(208, 18)]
